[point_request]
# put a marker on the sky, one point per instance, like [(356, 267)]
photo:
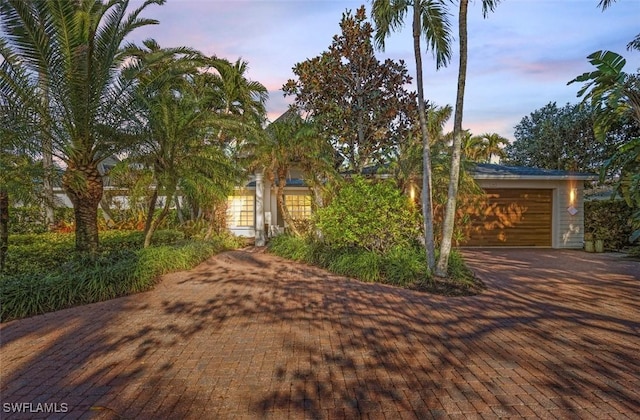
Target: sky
[(520, 57)]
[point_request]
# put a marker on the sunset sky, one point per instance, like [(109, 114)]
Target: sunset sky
[(520, 58)]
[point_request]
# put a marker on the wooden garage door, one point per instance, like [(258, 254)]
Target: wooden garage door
[(512, 217)]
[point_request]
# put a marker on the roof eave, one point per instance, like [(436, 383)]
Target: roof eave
[(537, 177)]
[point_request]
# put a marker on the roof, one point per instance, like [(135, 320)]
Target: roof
[(291, 182), (493, 171)]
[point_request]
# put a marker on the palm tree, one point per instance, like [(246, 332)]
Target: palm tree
[(454, 179), (72, 47), (484, 147), (430, 20), (493, 146), (291, 140), (174, 100), (407, 162), (239, 95)]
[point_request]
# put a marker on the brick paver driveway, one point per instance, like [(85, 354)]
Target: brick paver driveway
[(249, 335)]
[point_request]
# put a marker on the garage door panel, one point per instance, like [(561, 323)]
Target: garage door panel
[(512, 217)]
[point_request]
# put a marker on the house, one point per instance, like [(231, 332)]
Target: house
[(255, 204), (525, 207)]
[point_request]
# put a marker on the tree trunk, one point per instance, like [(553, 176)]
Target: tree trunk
[(179, 209), (427, 195), (83, 185), (47, 183), (454, 178), (282, 205), (163, 214), (47, 163), (4, 226), (151, 209)]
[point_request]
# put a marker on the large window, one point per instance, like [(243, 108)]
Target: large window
[(240, 210), (299, 206)]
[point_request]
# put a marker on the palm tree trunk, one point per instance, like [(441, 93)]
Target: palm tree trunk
[(282, 205), (4, 226), (47, 183), (83, 185), (427, 195), (151, 209), (163, 214), (450, 210)]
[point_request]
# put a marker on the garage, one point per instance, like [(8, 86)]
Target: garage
[(526, 207), (513, 217)]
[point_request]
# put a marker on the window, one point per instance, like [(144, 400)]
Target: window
[(299, 206), (240, 210)]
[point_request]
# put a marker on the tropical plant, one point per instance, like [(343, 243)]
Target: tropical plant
[(406, 161), (456, 153), (239, 95), (292, 141), (431, 21), (72, 48), (613, 95), (634, 44), (484, 147), (174, 99)]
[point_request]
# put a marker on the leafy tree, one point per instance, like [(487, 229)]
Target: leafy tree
[(359, 103), (72, 48), (429, 19), (563, 138)]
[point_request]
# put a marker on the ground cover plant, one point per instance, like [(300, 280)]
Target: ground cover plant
[(402, 266), (43, 274)]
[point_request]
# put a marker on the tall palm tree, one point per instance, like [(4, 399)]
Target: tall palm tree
[(431, 21), (238, 96), (72, 47), (174, 101), (454, 179)]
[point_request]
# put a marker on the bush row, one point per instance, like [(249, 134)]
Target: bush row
[(609, 220), (403, 265), (24, 220), (61, 279)]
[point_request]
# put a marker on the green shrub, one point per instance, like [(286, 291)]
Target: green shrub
[(358, 263), (404, 265), (458, 270), (295, 248), (56, 278), (371, 215), (609, 220), (362, 264)]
